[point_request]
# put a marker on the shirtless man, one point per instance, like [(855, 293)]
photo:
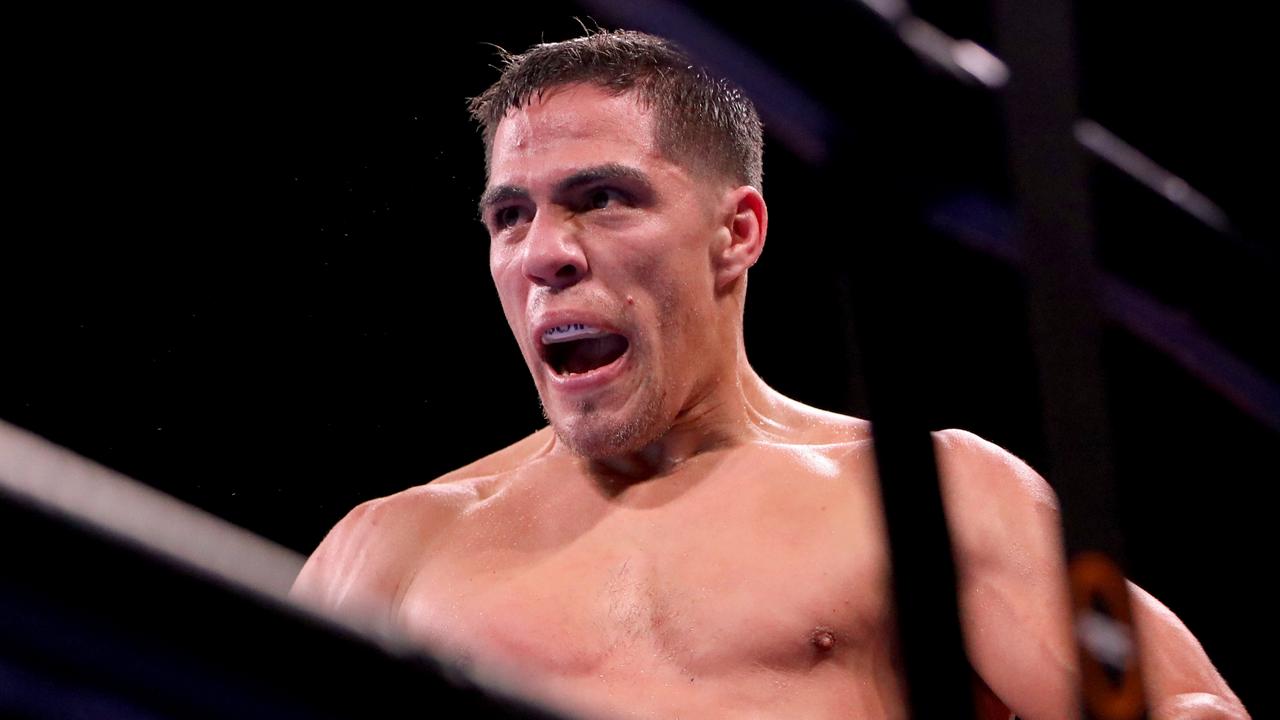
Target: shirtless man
[(682, 540)]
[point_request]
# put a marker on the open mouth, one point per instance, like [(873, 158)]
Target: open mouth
[(577, 349)]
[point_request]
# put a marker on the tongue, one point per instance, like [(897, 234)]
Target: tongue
[(587, 355)]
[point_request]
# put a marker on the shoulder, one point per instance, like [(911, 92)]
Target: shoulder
[(969, 463), (367, 558), (364, 560), (501, 462), (796, 423), (996, 504)]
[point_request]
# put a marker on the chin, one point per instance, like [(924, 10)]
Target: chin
[(596, 435), (601, 444)]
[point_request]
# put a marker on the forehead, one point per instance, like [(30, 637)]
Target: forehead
[(569, 124)]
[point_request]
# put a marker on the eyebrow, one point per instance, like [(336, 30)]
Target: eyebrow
[(586, 176)]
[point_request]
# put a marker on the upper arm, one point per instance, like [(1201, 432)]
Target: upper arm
[(1015, 600), (1011, 575)]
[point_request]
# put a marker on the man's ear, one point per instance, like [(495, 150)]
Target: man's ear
[(746, 218)]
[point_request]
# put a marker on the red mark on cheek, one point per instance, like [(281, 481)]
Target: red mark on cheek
[(631, 300)]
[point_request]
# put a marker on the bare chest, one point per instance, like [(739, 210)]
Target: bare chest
[(728, 579)]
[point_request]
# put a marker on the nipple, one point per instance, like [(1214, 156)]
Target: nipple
[(823, 639)]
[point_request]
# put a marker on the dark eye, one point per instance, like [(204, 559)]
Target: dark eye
[(507, 217), (601, 198)]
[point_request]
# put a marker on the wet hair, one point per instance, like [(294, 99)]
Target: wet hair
[(702, 121)]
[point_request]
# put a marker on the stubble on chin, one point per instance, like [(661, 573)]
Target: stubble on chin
[(594, 435)]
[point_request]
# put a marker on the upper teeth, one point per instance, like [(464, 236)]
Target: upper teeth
[(572, 331)]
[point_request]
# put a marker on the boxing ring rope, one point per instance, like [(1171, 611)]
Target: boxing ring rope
[(58, 480), (120, 601)]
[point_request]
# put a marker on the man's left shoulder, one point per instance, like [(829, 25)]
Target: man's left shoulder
[(994, 501), (974, 465)]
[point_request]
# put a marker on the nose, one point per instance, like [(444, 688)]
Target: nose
[(552, 254)]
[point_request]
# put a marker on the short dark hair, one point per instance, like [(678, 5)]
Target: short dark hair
[(703, 121)]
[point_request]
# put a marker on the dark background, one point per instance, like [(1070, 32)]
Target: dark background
[(243, 266)]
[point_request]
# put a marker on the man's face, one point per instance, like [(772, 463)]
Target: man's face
[(600, 249)]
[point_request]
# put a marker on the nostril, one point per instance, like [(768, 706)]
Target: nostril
[(566, 271)]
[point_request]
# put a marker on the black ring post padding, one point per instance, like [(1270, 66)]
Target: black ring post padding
[(1049, 180), (882, 315)]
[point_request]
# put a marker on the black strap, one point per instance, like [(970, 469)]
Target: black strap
[(1049, 178)]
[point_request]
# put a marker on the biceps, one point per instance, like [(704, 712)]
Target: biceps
[(1018, 637)]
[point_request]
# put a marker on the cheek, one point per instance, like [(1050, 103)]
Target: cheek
[(673, 288), (498, 264), (671, 307), (505, 278), (681, 285), (510, 297)]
